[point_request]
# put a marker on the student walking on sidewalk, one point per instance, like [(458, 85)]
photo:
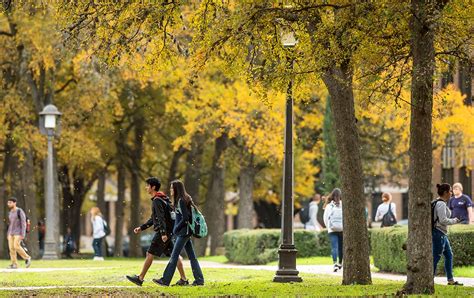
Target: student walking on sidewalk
[(16, 234), (183, 203), (440, 221), (333, 222), (162, 217)]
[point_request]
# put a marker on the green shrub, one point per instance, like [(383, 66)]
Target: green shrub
[(386, 247), (389, 256), (251, 246), (261, 246)]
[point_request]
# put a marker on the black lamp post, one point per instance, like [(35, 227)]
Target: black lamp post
[(49, 126), (287, 252)]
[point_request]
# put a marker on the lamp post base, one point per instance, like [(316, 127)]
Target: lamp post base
[(50, 251), (287, 265)]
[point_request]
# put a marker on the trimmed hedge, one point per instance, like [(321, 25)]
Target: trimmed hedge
[(261, 246), (389, 256)]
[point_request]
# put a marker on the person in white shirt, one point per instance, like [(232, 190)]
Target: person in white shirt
[(385, 207), (313, 224), (333, 222), (98, 233)]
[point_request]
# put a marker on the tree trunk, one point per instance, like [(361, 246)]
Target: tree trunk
[(192, 179), (135, 216), (215, 205), (3, 200), (338, 80), (419, 243), (27, 172), (173, 170), (246, 184), (73, 196), (101, 193), (119, 210)]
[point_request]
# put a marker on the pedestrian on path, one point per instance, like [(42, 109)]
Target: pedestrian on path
[(461, 205), (98, 233), (313, 224), (16, 233), (162, 219), (387, 211), (440, 221), (183, 202), (333, 222)]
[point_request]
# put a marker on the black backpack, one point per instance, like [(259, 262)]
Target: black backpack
[(433, 207), (304, 213), (106, 227), (28, 222), (168, 214), (389, 219)]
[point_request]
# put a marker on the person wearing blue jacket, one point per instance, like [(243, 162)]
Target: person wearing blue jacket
[(183, 202)]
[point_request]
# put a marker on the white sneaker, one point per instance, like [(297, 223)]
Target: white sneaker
[(100, 258), (96, 258), (28, 262), (336, 267), (339, 265)]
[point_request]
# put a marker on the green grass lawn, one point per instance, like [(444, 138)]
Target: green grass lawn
[(218, 282)]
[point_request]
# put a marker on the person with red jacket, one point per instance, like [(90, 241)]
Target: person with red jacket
[(162, 221)]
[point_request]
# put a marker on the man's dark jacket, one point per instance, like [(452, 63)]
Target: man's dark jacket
[(160, 215)]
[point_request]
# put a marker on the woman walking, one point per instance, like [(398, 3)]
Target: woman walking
[(441, 220), (183, 203), (333, 222), (387, 211), (98, 233)]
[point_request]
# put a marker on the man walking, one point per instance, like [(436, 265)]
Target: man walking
[(16, 234), (162, 222)]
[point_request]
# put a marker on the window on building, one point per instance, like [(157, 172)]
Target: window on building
[(465, 178), (447, 176), (404, 205), (376, 201)]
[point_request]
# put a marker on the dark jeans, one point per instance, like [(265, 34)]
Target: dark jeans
[(97, 245), (183, 242), (441, 246), (336, 246)]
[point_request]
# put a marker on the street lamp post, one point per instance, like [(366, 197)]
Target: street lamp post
[(49, 126), (287, 252)]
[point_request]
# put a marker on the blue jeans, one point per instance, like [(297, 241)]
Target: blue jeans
[(97, 245), (183, 242), (441, 246), (336, 246)]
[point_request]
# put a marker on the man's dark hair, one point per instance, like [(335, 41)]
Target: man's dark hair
[(13, 199), (153, 181)]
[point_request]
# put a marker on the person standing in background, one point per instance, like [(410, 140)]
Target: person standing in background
[(461, 205), (313, 224), (16, 233)]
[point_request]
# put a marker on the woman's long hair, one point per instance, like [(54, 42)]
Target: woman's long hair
[(179, 192), (336, 193)]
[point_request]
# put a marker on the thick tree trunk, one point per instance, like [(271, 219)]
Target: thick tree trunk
[(3, 201), (119, 210), (419, 246), (135, 216), (73, 196), (356, 263), (215, 205), (27, 172), (173, 169), (246, 184), (192, 180), (101, 194)]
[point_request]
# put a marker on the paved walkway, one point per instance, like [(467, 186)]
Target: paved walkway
[(310, 269)]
